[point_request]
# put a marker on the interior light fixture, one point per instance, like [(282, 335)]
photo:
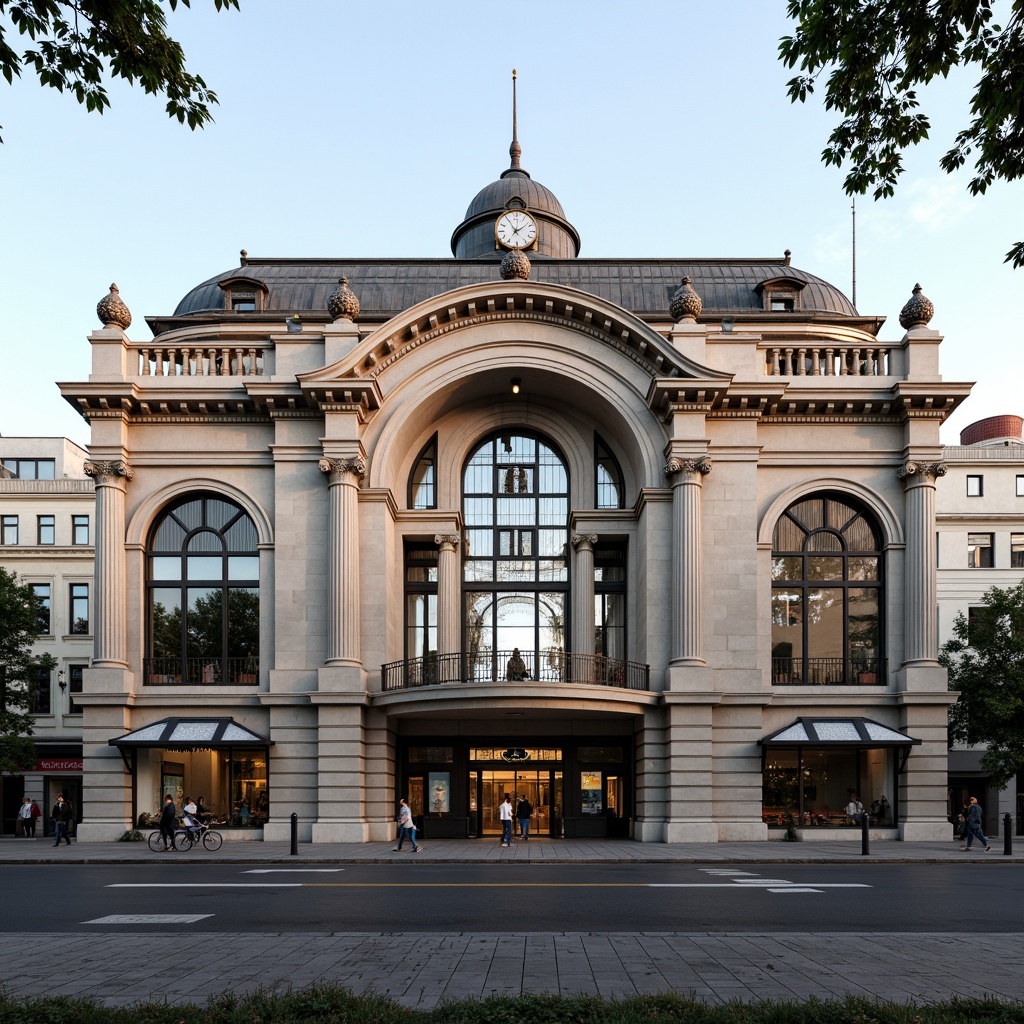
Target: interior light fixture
[(515, 385)]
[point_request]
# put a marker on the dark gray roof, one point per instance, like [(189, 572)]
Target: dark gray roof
[(514, 183), (385, 287)]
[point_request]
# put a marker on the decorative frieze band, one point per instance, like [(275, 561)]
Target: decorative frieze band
[(338, 469), (578, 540), (441, 539), (688, 469), (926, 472), (99, 470)]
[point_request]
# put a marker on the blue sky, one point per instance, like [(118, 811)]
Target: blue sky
[(365, 130)]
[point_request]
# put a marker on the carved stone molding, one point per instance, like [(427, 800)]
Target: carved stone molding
[(440, 539), (338, 469), (579, 539), (99, 470), (926, 472), (688, 468)]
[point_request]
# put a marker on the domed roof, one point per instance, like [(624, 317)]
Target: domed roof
[(514, 184)]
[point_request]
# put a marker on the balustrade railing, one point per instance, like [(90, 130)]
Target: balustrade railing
[(200, 361), (498, 667), (828, 672), (828, 361), (201, 671)]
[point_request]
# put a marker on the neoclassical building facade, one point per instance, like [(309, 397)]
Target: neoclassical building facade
[(650, 541)]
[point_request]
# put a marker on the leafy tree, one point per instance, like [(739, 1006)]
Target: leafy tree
[(77, 43), (19, 625), (987, 666), (877, 52)]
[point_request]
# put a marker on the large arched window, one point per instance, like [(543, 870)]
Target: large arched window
[(202, 581), (827, 591), (516, 573)]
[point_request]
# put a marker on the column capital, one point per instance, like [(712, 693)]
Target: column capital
[(114, 468), (925, 472), (583, 541), (688, 470), (338, 469), (451, 540)]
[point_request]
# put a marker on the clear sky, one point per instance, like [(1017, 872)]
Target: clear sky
[(365, 130)]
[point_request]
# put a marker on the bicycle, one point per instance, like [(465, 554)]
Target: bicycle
[(181, 840), (192, 834)]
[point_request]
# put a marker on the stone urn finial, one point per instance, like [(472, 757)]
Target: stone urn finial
[(686, 303), (343, 304), (112, 311), (918, 311), (515, 265)]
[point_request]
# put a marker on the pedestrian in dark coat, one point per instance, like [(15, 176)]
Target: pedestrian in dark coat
[(168, 823)]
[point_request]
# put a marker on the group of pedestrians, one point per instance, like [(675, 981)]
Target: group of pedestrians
[(972, 825), (523, 811), (28, 814)]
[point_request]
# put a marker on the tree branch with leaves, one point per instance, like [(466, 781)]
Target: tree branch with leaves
[(876, 53), (76, 45)]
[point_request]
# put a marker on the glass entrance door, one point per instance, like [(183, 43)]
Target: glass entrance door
[(543, 788)]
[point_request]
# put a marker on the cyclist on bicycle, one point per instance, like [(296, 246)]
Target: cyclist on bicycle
[(189, 814)]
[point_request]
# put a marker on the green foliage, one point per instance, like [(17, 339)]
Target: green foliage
[(78, 43), (987, 666), (131, 835), (19, 624), (878, 53)]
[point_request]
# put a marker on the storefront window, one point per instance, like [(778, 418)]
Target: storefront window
[(250, 803)]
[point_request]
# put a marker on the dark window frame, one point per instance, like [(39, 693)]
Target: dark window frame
[(42, 691), (603, 455), (44, 604), (976, 557), (46, 523), (75, 680), (28, 469), (78, 523), (9, 530), (979, 480), (78, 598), (426, 458)]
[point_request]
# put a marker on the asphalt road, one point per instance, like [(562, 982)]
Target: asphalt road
[(413, 896)]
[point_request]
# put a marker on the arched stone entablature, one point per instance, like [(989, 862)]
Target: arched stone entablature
[(149, 508), (885, 516)]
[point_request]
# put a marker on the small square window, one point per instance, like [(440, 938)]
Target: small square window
[(80, 530), (975, 486), (1017, 550), (979, 550), (47, 529)]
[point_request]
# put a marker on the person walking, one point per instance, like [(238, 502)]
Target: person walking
[(405, 826), (30, 825), (61, 817), (21, 826), (505, 814), (168, 823), (523, 811), (974, 826)]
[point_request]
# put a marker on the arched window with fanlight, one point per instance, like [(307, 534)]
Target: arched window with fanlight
[(423, 479), (202, 583), (827, 594)]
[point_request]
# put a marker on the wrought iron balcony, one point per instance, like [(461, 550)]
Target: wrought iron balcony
[(202, 671), (828, 672), (502, 667)]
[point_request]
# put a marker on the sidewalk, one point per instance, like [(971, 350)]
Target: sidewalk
[(579, 851)]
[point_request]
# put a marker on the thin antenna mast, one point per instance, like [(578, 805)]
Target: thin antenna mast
[(853, 215), (515, 150)]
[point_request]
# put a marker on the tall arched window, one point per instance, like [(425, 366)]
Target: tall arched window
[(516, 573), (827, 589), (202, 581)]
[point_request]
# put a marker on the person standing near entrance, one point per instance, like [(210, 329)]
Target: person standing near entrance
[(168, 823), (974, 826), (505, 814), (21, 826), (61, 817), (523, 811)]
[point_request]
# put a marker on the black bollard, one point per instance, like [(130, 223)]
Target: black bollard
[(865, 841), (1007, 835), (295, 834)]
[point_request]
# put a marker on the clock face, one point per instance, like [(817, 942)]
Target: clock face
[(516, 230)]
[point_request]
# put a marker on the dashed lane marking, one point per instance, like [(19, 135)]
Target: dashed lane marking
[(148, 919), (292, 871)]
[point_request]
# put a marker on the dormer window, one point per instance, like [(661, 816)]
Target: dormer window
[(780, 294), (244, 295), (243, 302), (782, 304)]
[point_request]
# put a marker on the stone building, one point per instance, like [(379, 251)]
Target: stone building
[(651, 541)]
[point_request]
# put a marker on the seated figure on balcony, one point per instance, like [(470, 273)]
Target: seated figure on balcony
[(516, 668)]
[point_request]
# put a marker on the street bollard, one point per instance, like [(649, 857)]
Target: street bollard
[(1007, 835), (295, 834), (865, 842)]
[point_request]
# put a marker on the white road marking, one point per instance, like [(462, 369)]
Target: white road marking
[(291, 871), (726, 871), (148, 919), (794, 888), (205, 885), (772, 885)]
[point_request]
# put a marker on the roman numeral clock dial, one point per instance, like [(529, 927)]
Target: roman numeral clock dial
[(516, 230)]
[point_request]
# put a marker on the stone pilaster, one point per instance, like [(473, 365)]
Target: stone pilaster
[(922, 640), (343, 559), (583, 593), (109, 626), (448, 590), (687, 476)]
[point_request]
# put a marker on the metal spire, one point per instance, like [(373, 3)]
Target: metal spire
[(515, 150)]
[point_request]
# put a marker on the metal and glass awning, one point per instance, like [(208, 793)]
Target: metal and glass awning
[(191, 734), (838, 732)]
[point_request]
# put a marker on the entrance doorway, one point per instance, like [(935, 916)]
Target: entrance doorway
[(542, 787)]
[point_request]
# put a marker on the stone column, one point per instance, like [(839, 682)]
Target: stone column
[(687, 625), (583, 593), (109, 627), (921, 594), (448, 590), (343, 559)]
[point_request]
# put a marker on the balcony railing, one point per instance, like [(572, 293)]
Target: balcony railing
[(828, 672), (202, 671), (828, 361), (502, 667), (243, 360)]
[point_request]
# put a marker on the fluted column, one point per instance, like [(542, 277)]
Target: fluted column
[(921, 587), (343, 558), (109, 628), (448, 589), (583, 593), (687, 476)]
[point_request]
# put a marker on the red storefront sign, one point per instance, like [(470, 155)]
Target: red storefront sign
[(56, 764)]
